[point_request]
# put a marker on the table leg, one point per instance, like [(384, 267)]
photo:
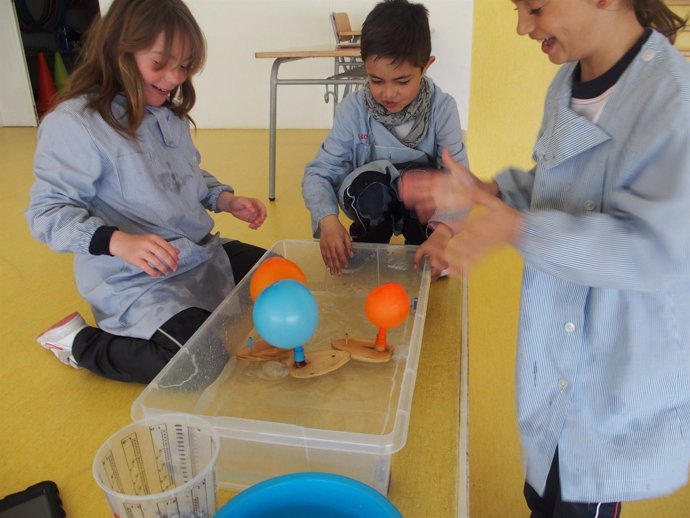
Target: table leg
[(272, 131), (332, 81)]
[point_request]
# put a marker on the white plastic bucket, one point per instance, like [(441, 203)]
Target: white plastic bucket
[(161, 466)]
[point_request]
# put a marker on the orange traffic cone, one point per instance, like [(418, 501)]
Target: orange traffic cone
[(46, 87)]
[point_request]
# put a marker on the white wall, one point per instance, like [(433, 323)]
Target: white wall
[(16, 98), (235, 85), (233, 89)]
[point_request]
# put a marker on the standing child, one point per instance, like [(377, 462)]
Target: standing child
[(603, 377), (118, 184), (399, 121)]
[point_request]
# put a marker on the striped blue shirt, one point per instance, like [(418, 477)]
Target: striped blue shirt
[(603, 362), (89, 176), (357, 139)]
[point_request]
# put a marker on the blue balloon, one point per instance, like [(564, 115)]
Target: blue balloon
[(285, 314)]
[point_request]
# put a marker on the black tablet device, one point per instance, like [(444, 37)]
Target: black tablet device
[(41, 500)]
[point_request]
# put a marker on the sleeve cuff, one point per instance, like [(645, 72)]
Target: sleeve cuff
[(213, 198), (100, 242)]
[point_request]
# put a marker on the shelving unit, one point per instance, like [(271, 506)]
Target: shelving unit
[(52, 26)]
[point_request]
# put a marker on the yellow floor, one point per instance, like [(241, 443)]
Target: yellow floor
[(49, 411)]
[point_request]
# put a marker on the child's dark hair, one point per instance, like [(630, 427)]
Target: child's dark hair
[(107, 66), (657, 15), (399, 30)]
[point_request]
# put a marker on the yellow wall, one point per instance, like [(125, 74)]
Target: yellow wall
[(509, 80)]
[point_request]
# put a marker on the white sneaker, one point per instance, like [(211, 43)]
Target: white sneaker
[(59, 338)]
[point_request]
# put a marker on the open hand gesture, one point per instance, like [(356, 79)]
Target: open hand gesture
[(444, 195), (492, 224)]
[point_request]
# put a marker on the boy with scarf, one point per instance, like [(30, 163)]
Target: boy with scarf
[(399, 121)]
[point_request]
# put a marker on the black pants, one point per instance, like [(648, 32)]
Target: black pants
[(552, 506), (379, 211), (124, 358)]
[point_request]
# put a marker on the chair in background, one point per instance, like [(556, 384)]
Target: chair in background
[(345, 68), (342, 30)]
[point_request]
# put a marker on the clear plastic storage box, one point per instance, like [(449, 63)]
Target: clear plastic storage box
[(349, 422)]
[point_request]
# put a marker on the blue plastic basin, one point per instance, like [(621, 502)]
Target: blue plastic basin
[(309, 495)]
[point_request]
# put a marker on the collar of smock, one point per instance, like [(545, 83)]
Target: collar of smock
[(161, 117)]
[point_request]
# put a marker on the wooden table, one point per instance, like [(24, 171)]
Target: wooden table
[(429, 476), (285, 56)]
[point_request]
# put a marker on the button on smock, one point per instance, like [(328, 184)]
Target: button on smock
[(648, 55)]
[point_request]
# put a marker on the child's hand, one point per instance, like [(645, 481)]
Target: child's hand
[(150, 252), (434, 250), (493, 224), (251, 210), (447, 195), (335, 243)]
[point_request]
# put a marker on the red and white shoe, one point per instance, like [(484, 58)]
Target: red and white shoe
[(59, 338)]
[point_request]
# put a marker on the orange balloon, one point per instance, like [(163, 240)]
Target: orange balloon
[(387, 305), (273, 270)]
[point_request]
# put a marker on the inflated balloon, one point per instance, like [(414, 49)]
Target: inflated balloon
[(386, 306), (271, 270), (285, 314)]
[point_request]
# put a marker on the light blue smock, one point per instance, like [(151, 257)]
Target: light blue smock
[(88, 176), (603, 360), (357, 139)]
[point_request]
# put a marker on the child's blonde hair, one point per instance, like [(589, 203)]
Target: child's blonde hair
[(107, 65)]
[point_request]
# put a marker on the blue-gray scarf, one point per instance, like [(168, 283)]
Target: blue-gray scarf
[(418, 109)]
